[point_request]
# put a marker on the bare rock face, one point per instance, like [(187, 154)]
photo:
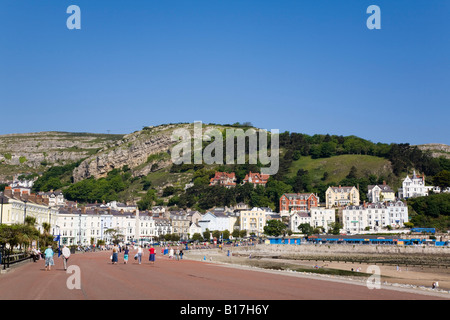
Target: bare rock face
[(436, 149), (142, 151), (32, 150)]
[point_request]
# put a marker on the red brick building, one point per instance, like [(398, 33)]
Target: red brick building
[(298, 202), (225, 179), (257, 179)]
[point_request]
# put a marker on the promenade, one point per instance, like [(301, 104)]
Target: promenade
[(179, 280)]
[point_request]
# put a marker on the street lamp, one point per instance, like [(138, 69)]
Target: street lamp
[(1, 216), (25, 211), (79, 215)]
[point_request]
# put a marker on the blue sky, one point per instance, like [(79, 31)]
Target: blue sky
[(306, 66)]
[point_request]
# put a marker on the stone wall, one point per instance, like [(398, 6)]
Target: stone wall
[(327, 249)]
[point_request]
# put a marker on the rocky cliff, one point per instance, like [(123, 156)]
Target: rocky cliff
[(142, 151), (31, 152), (436, 149)]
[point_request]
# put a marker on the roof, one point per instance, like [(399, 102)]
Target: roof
[(257, 178), (222, 177), (383, 187), (302, 214), (299, 196), (342, 189)]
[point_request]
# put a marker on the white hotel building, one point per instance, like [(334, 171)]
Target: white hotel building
[(374, 216), (316, 217), (89, 226)]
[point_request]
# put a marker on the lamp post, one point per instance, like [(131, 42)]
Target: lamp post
[(24, 211), (1, 216), (79, 215)]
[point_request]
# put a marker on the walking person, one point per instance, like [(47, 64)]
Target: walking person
[(139, 254), (35, 254), (170, 253), (125, 254), (65, 255), (152, 255), (181, 254), (115, 255), (48, 253)]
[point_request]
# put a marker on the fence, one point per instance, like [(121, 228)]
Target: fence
[(7, 259)]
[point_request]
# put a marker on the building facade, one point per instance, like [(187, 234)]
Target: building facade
[(380, 193), (224, 179), (316, 217), (414, 187), (341, 196), (17, 205), (217, 220), (180, 224), (298, 202), (257, 179), (374, 216), (322, 217), (253, 221)]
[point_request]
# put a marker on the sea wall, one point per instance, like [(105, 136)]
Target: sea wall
[(341, 249)]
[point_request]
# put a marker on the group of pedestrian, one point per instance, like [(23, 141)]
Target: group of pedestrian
[(138, 256), (175, 254), (48, 256)]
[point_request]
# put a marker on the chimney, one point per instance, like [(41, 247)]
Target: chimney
[(8, 192), (25, 195), (83, 209)]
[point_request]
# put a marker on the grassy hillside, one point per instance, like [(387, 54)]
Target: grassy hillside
[(338, 167)]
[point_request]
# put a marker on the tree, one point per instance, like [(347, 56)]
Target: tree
[(335, 228), (353, 172), (115, 235), (302, 181), (197, 237), (206, 234), (216, 234), (442, 179), (306, 228), (275, 228), (147, 200), (225, 234)]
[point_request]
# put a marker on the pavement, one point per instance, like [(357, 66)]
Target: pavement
[(94, 277)]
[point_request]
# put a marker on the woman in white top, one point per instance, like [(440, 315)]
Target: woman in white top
[(65, 255), (139, 253)]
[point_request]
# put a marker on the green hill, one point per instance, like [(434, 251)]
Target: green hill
[(138, 166), (338, 167)]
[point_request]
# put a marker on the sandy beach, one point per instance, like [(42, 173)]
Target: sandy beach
[(421, 278)]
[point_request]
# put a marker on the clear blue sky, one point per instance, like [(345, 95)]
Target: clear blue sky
[(305, 66)]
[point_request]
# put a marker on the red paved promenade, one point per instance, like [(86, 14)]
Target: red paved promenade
[(176, 280)]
